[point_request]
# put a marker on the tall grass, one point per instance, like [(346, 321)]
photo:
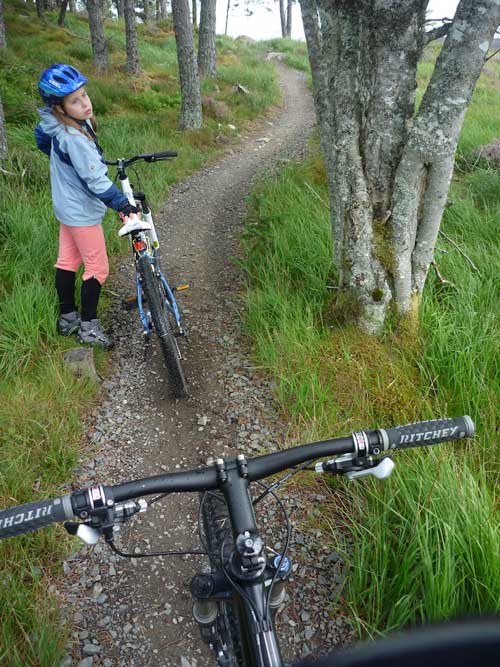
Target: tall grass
[(41, 407), (425, 545)]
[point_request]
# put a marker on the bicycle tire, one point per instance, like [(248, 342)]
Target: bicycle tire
[(163, 329), (217, 532)]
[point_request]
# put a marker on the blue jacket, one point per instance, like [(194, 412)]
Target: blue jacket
[(81, 189)]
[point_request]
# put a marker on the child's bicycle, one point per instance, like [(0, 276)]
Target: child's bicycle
[(234, 602), (155, 298)]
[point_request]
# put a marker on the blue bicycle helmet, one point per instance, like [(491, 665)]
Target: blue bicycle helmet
[(59, 80)]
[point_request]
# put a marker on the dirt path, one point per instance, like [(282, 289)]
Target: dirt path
[(137, 612)]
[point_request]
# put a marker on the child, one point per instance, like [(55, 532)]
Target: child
[(81, 191)]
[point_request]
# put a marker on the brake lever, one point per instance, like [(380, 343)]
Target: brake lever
[(382, 470), (86, 533)]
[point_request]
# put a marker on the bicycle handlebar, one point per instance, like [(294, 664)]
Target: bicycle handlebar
[(32, 516), (147, 157)]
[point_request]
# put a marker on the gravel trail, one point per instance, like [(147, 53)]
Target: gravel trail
[(137, 612)]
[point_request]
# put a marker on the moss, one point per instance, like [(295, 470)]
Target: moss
[(377, 294), (383, 245)]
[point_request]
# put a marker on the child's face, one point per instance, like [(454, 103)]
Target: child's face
[(78, 104)]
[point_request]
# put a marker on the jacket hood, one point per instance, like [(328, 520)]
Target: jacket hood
[(49, 123)]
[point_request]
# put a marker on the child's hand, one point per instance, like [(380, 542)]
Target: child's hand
[(126, 218), (127, 209)]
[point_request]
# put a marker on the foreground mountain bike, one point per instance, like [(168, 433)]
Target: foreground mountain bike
[(233, 603), (155, 298)]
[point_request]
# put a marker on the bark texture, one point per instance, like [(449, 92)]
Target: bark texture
[(3, 135), (206, 43), (191, 115), (388, 168), (195, 13), (133, 66), (97, 38)]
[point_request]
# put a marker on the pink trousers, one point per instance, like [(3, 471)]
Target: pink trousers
[(83, 245)]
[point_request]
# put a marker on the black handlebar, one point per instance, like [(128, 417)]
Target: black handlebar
[(25, 518), (147, 157)]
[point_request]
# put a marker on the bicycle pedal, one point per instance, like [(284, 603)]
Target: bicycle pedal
[(182, 287), (129, 303)]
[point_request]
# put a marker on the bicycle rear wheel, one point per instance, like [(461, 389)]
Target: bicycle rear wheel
[(217, 532), (154, 293)]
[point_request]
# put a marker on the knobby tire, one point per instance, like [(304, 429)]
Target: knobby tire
[(159, 315), (217, 531)]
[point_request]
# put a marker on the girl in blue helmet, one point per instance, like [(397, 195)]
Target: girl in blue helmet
[(81, 191)]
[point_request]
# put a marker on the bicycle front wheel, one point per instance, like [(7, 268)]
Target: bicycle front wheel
[(217, 534), (156, 299)]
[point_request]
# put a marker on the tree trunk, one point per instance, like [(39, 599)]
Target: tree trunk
[(3, 135), (388, 169), (195, 13), (62, 13), (163, 9), (3, 38), (191, 116), (289, 19), (132, 66), (119, 9), (40, 9), (283, 18), (147, 11), (227, 15), (206, 40), (72, 6), (97, 38)]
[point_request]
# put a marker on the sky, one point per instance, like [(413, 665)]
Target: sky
[(265, 21)]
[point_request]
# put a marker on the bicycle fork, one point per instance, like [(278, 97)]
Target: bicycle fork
[(253, 584)]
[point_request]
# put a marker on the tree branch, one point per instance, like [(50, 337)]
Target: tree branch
[(436, 33)]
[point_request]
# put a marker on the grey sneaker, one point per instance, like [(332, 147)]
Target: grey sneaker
[(91, 332), (69, 323)]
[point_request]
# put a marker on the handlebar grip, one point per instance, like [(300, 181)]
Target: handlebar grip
[(430, 432), (166, 154), (32, 516)]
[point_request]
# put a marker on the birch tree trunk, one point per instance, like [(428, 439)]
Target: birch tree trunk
[(97, 38), (206, 39), (72, 6), (289, 19), (147, 11), (62, 13), (132, 65), (3, 38), (388, 168), (40, 10), (163, 9), (191, 115), (227, 15), (282, 18)]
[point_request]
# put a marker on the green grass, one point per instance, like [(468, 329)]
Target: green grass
[(425, 544), (41, 407)]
